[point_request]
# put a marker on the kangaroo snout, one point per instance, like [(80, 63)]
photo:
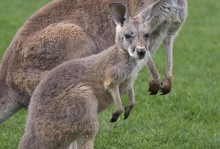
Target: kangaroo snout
[(141, 51)]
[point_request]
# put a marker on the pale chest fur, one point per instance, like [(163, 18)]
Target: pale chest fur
[(139, 66), (132, 76)]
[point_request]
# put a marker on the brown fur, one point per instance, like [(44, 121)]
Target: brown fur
[(69, 29), (65, 105)]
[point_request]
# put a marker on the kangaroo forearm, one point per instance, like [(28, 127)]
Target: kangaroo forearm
[(152, 68)]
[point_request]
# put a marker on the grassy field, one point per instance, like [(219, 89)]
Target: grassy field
[(187, 118)]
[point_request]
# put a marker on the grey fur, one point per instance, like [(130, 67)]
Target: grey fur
[(69, 29), (165, 22), (65, 105)]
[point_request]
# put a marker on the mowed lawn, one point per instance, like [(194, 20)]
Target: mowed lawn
[(187, 118)]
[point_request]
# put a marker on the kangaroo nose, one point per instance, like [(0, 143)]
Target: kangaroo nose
[(141, 52)]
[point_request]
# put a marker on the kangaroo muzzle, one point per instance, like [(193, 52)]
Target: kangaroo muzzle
[(140, 51)]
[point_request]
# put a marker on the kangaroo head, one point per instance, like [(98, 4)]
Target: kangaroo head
[(132, 34)]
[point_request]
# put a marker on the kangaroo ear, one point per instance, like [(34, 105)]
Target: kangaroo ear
[(119, 13), (148, 12)]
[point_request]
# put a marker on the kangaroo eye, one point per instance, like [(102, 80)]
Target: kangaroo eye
[(128, 36), (146, 35)]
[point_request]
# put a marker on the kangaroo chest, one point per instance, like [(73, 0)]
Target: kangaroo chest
[(140, 64)]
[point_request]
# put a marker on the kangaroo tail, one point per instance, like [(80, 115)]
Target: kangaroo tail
[(8, 101)]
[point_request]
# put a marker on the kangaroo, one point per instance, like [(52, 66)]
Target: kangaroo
[(65, 105), (69, 29)]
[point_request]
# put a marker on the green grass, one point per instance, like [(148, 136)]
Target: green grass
[(187, 118)]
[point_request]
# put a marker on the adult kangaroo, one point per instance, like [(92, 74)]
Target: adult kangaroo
[(69, 29), (65, 105)]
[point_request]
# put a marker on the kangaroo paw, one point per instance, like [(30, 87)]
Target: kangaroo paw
[(128, 109), (115, 116), (165, 86), (154, 87)]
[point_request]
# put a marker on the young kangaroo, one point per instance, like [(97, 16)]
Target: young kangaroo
[(65, 105), (69, 29)]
